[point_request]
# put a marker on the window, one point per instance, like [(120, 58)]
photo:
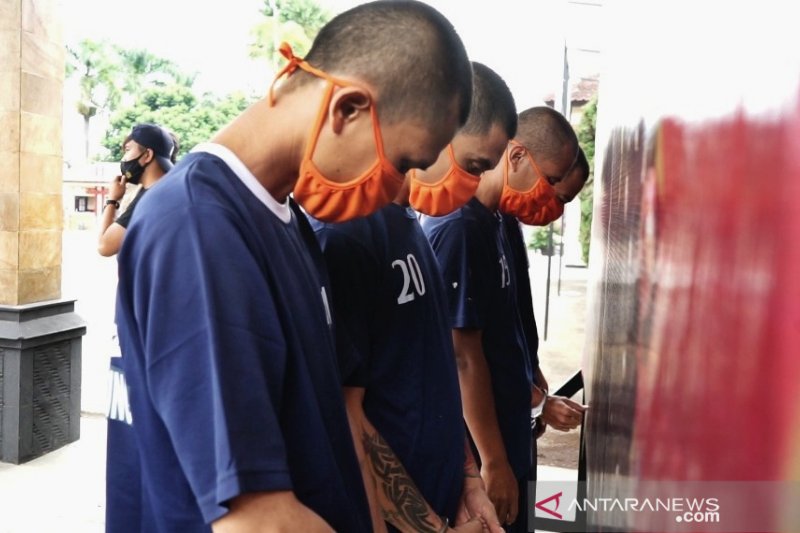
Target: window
[(81, 204)]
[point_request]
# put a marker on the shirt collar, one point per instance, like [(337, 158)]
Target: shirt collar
[(280, 210)]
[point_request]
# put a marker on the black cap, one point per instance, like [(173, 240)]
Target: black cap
[(158, 140)]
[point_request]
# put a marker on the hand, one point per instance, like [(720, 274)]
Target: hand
[(562, 413), (476, 504), (116, 189), (502, 489), (473, 526), (273, 511)]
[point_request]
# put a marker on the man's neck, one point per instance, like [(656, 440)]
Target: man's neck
[(402, 198), (151, 176), (490, 189), (270, 141)]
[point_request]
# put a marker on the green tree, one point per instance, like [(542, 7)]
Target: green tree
[(293, 21), (193, 119), (111, 75), (540, 240), (307, 13), (586, 137), (144, 69), (96, 64)]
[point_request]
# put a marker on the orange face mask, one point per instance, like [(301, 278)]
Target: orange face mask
[(549, 212), (328, 200), (525, 205), (446, 195)]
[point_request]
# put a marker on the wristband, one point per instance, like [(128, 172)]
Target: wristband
[(115, 203), (539, 409)]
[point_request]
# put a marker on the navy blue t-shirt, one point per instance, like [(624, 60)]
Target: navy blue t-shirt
[(474, 256), (124, 495), (228, 356), (394, 340), (519, 251)]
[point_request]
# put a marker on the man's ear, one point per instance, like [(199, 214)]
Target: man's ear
[(347, 105), (516, 155), (149, 155)]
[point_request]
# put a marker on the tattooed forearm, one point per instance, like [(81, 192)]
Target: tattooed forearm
[(408, 509)]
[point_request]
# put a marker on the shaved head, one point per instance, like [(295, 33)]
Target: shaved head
[(408, 52), (572, 184), (545, 133), (492, 103)]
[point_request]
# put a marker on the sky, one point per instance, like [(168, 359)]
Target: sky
[(522, 40)]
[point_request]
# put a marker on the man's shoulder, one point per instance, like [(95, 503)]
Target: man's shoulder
[(431, 224), (358, 234), (460, 224), (199, 178), (198, 167)]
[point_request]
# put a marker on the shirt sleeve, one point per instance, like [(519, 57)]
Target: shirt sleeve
[(466, 272), (214, 352), (353, 273), (125, 218)]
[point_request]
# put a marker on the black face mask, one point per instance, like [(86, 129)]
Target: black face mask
[(132, 170)]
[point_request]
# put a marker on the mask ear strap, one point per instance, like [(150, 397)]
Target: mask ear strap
[(294, 63), (529, 155), (451, 153), (453, 158), (539, 173), (507, 164), (143, 153), (316, 128), (376, 129)]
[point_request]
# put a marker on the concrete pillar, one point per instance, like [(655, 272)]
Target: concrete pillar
[(39, 333)]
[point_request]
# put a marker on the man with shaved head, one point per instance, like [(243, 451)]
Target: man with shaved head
[(395, 347), (475, 257), (223, 319), (562, 193)]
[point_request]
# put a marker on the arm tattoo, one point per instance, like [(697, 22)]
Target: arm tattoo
[(410, 507)]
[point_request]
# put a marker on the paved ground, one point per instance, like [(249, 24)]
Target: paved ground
[(64, 491), (560, 355), (61, 492)]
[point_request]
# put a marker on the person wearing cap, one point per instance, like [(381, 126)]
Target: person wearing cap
[(148, 154)]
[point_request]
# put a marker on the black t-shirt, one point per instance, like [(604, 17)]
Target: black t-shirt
[(125, 218)]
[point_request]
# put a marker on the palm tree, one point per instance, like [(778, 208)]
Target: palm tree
[(99, 73), (144, 69)]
